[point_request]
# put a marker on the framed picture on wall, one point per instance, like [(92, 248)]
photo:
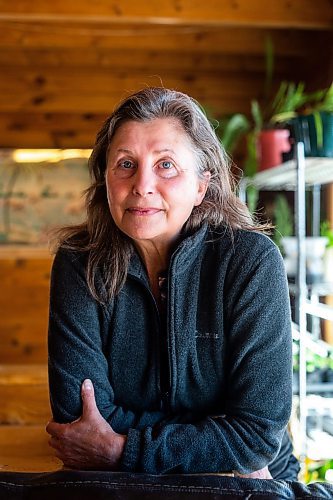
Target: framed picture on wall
[(40, 190)]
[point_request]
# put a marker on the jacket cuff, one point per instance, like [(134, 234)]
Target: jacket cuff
[(130, 457)]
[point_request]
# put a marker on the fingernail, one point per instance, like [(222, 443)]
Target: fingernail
[(87, 384)]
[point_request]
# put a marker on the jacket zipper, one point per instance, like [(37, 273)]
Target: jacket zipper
[(163, 338)]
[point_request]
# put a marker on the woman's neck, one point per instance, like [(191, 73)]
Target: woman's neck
[(156, 260)]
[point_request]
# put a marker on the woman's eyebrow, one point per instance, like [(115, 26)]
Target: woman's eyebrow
[(124, 150), (164, 150), (157, 151)]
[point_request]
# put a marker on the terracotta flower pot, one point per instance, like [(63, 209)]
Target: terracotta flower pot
[(271, 144)]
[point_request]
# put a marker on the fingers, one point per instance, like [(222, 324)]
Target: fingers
[(54, 443), (53, 428), (259, 474), (88, 399)]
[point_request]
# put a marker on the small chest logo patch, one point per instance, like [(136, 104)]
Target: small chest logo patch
[(206, 335)]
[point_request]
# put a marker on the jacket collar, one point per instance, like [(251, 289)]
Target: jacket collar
[(183, 256)]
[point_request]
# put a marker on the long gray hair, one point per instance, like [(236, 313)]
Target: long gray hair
[(109, 250)]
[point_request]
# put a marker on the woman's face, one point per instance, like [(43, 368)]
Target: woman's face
[(151, 178)]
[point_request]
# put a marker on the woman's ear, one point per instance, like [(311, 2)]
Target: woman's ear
[(202, 187)]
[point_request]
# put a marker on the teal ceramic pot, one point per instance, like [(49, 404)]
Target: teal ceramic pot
[(304, 130), (327, 149)]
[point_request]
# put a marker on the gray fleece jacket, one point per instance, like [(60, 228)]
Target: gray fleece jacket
[(227, 343)]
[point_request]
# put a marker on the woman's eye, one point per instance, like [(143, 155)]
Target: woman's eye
[(166, 164), (126, 164), (166, 168), (124, 169)]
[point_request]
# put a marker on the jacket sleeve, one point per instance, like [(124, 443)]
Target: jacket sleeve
[(77, 324), (247, 436)]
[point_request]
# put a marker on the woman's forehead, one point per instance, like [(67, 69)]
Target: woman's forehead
[(160, 133)]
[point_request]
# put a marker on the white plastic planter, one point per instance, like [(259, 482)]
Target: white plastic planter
[(315, 251)]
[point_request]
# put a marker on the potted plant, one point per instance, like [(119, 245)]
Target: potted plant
[(313, 123), (271, 132), (308, 116)]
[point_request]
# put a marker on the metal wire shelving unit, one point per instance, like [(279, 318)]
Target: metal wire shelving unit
[(300, 175)]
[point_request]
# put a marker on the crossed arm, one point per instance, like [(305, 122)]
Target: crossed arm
[(90, 442)]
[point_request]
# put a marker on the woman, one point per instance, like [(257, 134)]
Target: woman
[(171, 306)]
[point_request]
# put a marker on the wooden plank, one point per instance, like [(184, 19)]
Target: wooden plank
[(143, 60), (296, 13), (26, 449), (47, 130), (228, 40), (49, 90), (14, 252), (46, 138), (24, 395), (24, 299), (73, 103), (107, 80), (23, 375)]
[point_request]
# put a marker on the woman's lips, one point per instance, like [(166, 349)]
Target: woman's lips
[(143, 211)]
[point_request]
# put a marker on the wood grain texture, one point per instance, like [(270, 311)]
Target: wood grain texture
[(24, 404), (24, 299), (79, 59), (16, 375), (71, 92), (296, 13), (26, 449), (229, 40)]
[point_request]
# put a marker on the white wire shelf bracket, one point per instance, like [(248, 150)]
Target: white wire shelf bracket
[(319, 347), (322, 311), (284, 176)]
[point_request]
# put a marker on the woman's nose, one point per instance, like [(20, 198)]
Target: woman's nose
[(143, 181)]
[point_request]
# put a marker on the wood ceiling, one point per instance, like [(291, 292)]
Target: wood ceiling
[(65, 64)]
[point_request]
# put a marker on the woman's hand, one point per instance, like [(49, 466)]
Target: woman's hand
[(89, 442), (258, 474)]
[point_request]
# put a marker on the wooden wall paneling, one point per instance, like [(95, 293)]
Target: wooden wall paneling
[(144, 61), (26, 449), (24, 395), (319, 61), (24, 299), (225, 39), (80, 91), (24, 404), (49, 130), (295, 13)]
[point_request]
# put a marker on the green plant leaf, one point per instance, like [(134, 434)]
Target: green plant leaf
[(251, 162), (319, 128), (283, 219), (327, 101), (232, 130), (327, 232), (252, 196), (257, 115)]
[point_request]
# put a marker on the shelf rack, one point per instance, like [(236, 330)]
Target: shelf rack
[(317, 171), (298, 176)]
